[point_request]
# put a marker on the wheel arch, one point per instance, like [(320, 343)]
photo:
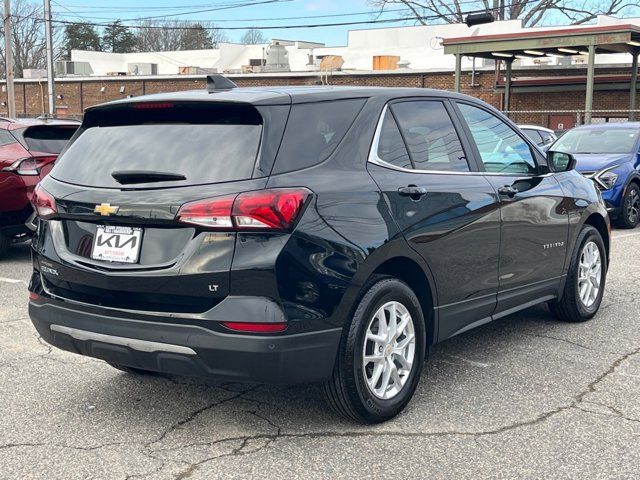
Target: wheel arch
[(410, 272), (598, 222), (413, 274)]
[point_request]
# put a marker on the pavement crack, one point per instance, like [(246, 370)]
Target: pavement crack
[(614, 412), (193, 415), (570, 342), (61, 445)]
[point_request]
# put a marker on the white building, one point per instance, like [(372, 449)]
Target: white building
[(418, 47)]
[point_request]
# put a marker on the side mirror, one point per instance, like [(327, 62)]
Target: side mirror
[(560, 161)]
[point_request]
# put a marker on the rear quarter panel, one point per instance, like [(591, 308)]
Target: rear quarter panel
[(15, 190), (345, 233)]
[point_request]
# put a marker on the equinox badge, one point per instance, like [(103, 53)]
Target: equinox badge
[(105, 209)]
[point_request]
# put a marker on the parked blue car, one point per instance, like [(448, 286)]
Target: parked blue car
[(609, 154)]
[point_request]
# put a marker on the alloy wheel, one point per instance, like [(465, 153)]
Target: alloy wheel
[(589, 274), (389, 350), (632, 206)]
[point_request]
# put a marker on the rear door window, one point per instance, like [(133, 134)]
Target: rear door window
[(220, 146), (313, 132), (430, 136), (391, 147)]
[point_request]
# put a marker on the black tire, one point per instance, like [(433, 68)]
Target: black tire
[(347, 392), (629, 215), (133, 370), (570, 308), (4, 245)]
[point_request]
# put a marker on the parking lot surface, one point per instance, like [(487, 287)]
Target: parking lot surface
[(523, 397)]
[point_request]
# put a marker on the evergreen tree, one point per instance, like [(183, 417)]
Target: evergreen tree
[(80, 37), (117, 38)]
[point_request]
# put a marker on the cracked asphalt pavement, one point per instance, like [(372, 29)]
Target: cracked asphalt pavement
[(523, 397)]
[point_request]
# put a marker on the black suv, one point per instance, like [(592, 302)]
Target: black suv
[(303, 234)]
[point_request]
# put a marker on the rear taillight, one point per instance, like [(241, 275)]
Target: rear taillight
[(30, 165), (276, 209), (43, 203)]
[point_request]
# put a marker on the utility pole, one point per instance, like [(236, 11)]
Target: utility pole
[(11, 97), (51, 87)]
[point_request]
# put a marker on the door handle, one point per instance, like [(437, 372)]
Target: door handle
[(412, 191), (508, 191)]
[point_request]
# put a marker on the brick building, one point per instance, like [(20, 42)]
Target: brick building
[(552, 89)]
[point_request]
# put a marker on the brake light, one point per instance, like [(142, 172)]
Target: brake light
[(30, 165), (275, 209), (152, 105), (254, 327), (43, 203)]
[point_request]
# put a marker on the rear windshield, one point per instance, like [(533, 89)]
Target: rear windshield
[(221, 150), (45, 138)]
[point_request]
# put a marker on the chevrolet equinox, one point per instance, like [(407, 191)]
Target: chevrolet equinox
[(306, 234)]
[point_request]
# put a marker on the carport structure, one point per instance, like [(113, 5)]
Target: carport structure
[(551, 43)]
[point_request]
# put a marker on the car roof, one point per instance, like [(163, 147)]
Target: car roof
[(536, 127), (285, 95), (16, 123), (608, 126)]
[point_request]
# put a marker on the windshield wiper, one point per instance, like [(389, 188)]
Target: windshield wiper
[(126, 177)]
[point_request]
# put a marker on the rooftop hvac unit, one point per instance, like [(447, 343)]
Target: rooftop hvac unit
[(191, 70), (277, 59), (65, 68), (142, 68)]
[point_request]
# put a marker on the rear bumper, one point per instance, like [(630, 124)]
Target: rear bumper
[(189, 349), (15, 223)]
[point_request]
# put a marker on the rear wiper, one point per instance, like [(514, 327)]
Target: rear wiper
[(126, 177)]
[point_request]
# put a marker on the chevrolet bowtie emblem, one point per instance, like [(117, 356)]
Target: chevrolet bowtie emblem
[(105, 209)]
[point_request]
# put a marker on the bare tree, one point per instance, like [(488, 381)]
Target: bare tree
[(531, 12), (171, 35), (27, 32), (216, 35), (253, 36), (159, 36)]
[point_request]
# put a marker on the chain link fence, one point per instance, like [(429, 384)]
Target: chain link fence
[(560, 120)]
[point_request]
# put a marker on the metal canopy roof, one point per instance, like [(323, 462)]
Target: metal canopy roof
[(553, 42), (607, 39)]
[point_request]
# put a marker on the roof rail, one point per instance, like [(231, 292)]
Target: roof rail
[(216, 83), (7, 119)]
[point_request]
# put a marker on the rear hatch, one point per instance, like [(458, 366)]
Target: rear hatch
[(118, 187)]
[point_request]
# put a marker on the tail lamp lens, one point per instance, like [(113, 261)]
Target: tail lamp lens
[(215, 213), (30, 166), (43, 203), (275, 209)]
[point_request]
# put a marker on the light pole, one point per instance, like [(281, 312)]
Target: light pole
[(51, 88), (11, 97)]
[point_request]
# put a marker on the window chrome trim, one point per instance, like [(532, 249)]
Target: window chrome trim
[(376, 160)]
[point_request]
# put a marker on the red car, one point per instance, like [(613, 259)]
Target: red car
[(28, 149)]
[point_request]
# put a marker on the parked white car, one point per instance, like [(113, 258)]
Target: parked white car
[(543, 137)]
